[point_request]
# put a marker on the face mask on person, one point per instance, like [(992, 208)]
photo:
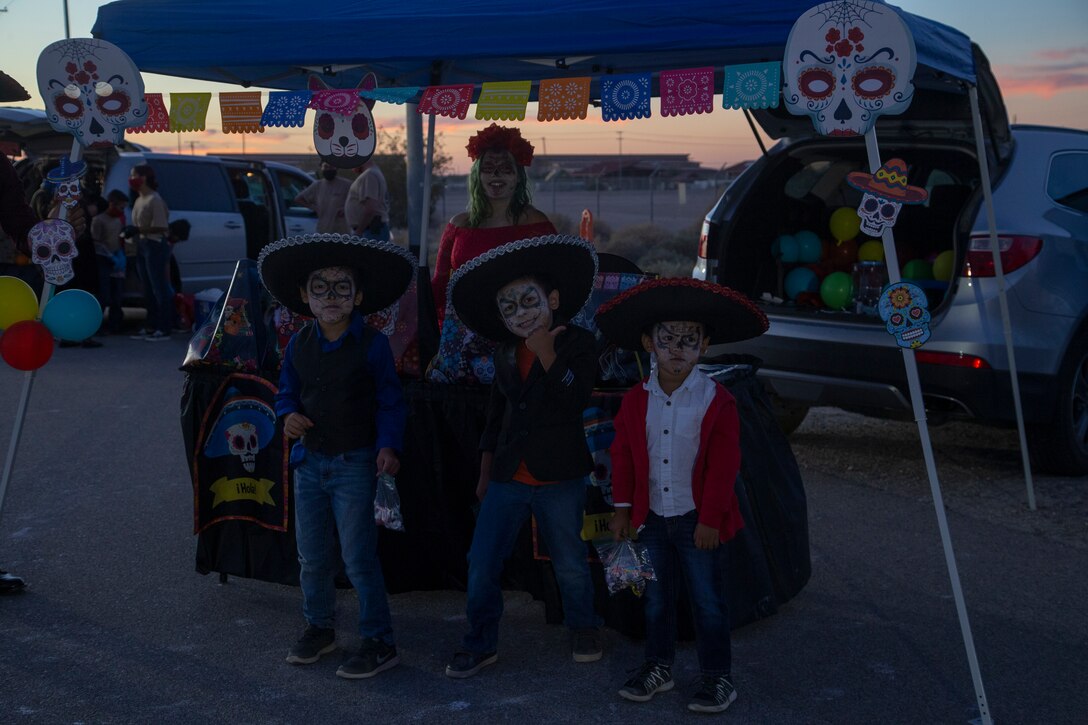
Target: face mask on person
[(329, 174), (135, 183)]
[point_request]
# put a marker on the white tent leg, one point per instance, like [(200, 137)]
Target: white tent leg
[(425, 211), (919, 407), (413, 143), (999, 274)]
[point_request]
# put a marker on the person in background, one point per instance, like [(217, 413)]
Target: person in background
[(106, 233), (367, 207), (150, 216), (327, 196)]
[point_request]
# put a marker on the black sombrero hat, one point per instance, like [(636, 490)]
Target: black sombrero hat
[(11, 90), (385, 269), (728, 315), (567, 262)]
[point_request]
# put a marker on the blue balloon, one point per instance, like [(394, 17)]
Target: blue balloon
[(73, 315), (801, 279), (788, 248), (776, 245), (810, 248)]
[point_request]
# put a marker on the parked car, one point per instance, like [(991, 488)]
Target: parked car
[(815, 356), (290, 181)]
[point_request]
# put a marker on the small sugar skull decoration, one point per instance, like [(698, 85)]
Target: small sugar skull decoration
[(66, 182), (905, 310), (245, 425), (92, 90), (53, 246), (846, 63), (886, 192), (348, 139)]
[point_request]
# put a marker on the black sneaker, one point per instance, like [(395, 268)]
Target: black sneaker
[(651, 678), (467, 664), (10, 584), (373, 657), (715, 694), (586, 645), (313, 643)]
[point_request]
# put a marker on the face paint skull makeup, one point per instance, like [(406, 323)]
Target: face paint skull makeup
[(498, 174), (331, 294), (524, 306), (677, 346)]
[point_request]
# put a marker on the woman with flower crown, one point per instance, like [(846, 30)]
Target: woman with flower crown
[(499, 211)]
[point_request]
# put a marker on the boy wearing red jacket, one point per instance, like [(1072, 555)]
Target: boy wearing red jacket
[(675, 460)]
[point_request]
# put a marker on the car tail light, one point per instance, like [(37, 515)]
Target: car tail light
[(1015, 253), (951, 359), (704, 235)]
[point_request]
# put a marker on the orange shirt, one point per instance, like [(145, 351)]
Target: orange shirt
[(525, 359)]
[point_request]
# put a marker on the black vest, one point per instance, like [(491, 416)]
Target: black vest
[(337, 391)]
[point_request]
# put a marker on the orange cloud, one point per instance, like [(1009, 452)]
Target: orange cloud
[(1054, 71)]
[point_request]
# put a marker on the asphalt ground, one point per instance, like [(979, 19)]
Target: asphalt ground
[(117, 627)]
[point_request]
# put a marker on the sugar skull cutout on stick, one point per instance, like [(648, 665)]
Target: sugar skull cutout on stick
[(905, 310), (53, 247), (91, 89), (65, 180), (846, 63), (346, 140), (886, 192)]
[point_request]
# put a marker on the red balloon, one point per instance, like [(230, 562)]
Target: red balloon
[(26, 345), (843, 255)]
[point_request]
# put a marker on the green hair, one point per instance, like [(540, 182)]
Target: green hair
[(479, 207)]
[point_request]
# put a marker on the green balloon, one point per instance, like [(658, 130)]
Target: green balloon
[(918, 269), (837, 290)]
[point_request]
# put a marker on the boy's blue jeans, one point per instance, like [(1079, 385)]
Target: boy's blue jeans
[(558, 508), (336, 494), (671, 545)]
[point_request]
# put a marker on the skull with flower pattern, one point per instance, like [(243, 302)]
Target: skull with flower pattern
[(905, 309)]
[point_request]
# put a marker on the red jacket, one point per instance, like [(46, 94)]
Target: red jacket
[(717, 463)]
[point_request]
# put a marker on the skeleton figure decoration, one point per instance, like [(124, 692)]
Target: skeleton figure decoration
[(245, 425), (846, 63), (53, 247), (525, 307), (886, 192), (905, 309), (345, 141), (91, 90), (675, 346), (66, 182)]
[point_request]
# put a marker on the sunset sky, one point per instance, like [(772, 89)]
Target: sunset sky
[(1039, 52)]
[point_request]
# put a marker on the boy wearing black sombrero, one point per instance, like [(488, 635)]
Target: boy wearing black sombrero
[(534, 457), (341, 402), (675, 460)]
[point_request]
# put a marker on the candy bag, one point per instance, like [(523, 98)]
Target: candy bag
[(387, 504), (626, 565)]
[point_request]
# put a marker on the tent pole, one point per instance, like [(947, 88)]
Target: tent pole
[(413, 142), (931, 467), (425, 211), (999, 274)]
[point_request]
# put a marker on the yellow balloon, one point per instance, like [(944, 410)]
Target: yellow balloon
[(17, 302), (845, 223), (871, 251), (942, 265)]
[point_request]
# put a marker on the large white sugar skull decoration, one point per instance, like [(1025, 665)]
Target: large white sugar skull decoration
[(886, 192), (53, 247), (905, 310), (245, 425), (346, 137), (846, 63), (91, 90)]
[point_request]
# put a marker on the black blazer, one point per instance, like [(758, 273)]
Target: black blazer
[(539, 421)]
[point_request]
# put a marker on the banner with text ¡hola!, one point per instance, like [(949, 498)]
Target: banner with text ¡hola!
[(240, 461)]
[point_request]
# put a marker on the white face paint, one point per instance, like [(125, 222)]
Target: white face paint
[(498, 174), (677, 346), (331, 294), (524, 307)]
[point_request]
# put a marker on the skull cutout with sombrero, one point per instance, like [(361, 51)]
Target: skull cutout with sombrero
[(245, 425), (886, 192)]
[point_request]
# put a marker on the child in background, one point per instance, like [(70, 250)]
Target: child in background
[(342, 404), (675, 460), (106, 233)]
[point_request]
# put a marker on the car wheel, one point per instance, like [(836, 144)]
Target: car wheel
[(788, 413), (1061, 447)]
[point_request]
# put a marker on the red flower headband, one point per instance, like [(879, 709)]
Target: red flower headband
[(501, 138)]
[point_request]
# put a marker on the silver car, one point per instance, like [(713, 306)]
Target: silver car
[(816, 356)]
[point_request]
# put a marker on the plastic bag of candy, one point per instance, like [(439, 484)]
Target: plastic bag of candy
[(626, 565), (387, 504)]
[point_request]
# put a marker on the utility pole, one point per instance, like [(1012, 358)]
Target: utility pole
[(544, 143), (619, 135), (67, 30)]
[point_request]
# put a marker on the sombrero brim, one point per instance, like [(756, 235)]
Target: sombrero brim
[(385, 269), (728, 315), (864, 182), (11, 90), (568, 262)]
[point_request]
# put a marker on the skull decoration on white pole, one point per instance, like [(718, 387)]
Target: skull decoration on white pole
[(846, 63)]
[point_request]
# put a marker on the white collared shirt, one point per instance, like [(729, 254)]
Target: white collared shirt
[(673, 424)]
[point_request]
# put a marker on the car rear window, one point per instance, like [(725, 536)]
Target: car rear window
[(1067, 182), (191, 186)]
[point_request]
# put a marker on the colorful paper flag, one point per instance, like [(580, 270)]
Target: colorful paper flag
[(158, 118), (503, 101), (341, 102), (752, 85), (687, 91), (286, 109), (559, 98), (625, 96), (451, 101), (189, 111), (241, 112), (400, 96)]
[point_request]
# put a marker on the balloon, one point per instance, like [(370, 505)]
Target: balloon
[(73, 315), (809, 246), (801, 279), (918, 269), (943, 265), (17, 302), (871, 251), (843, 255), (26, 345), (837, 290), (845, 223), (788, 248)]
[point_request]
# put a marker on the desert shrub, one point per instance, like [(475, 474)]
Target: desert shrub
[(634, 241), (666, 263), (564, 224)]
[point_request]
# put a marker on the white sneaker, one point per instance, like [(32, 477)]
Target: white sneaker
[(157, 336), (140, 334)]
